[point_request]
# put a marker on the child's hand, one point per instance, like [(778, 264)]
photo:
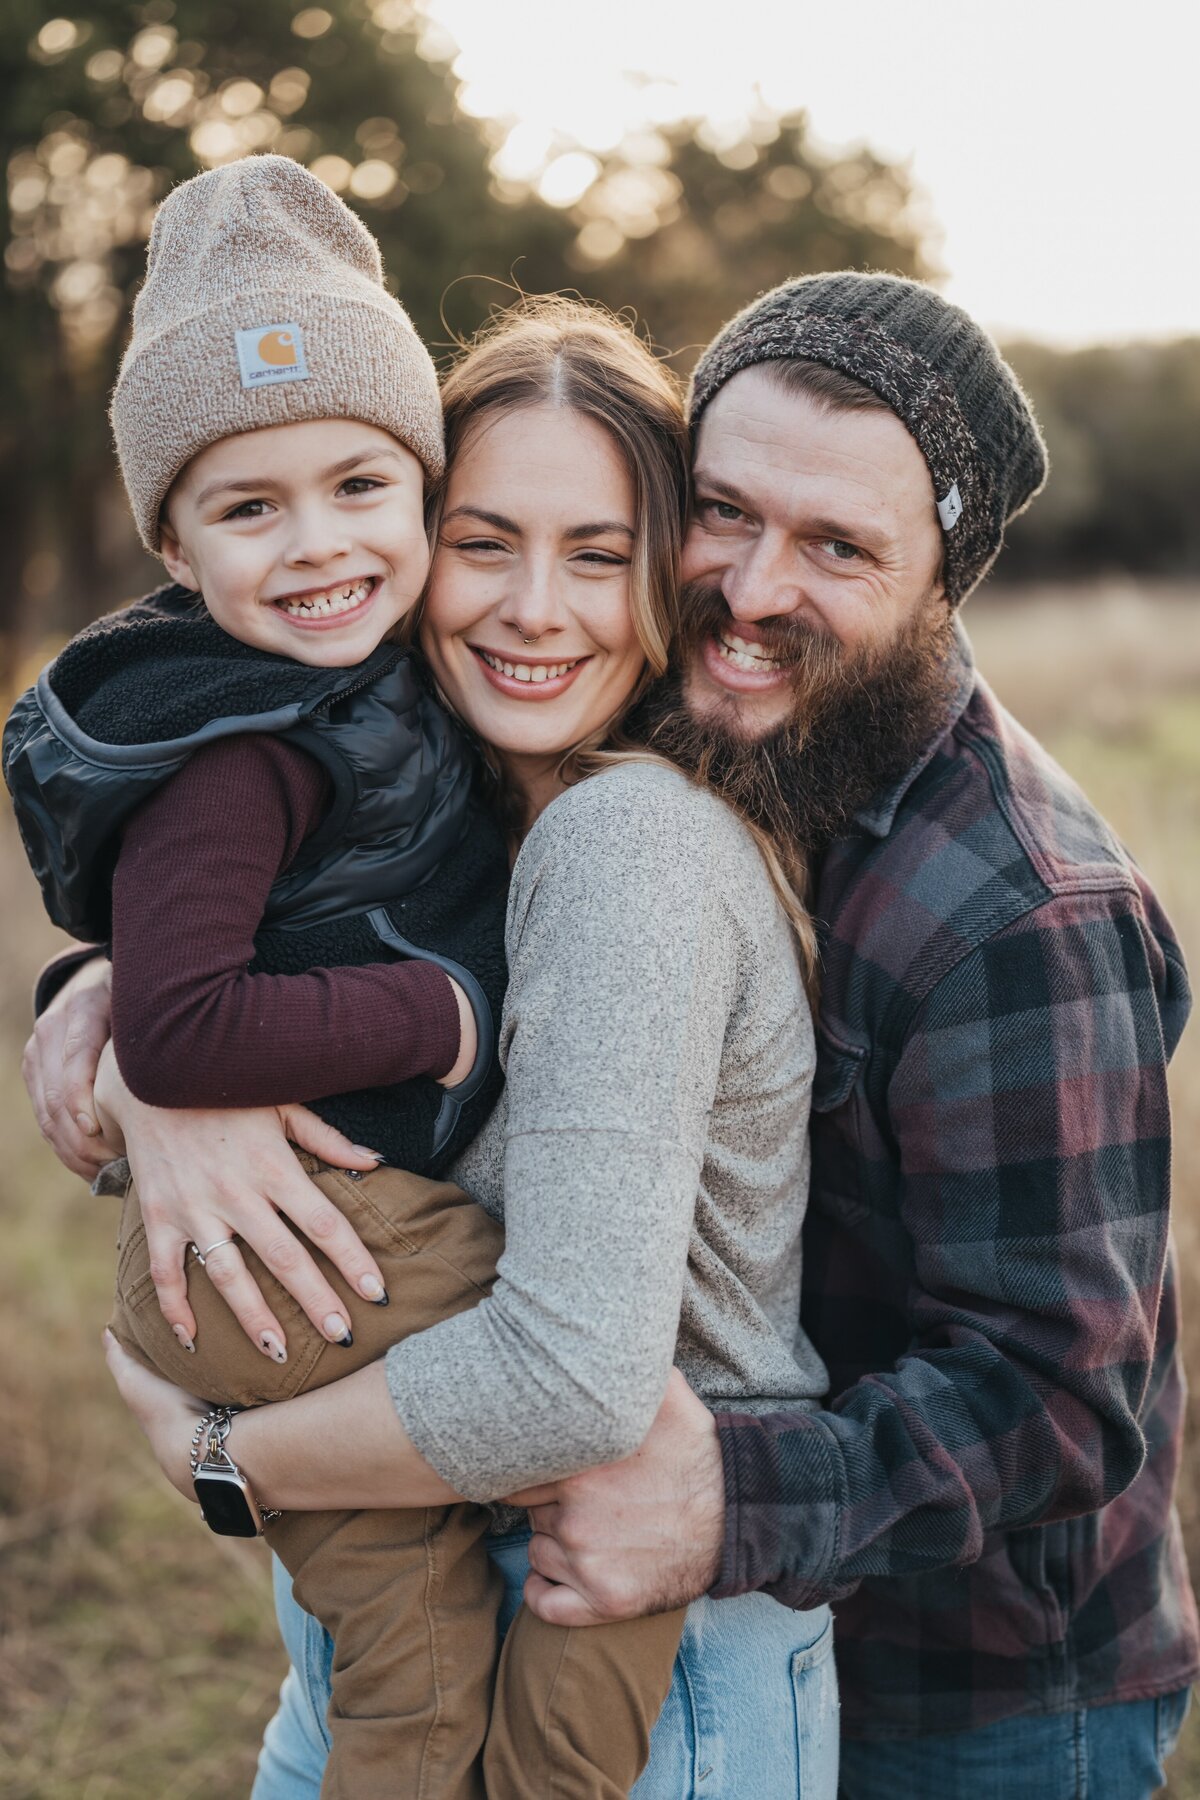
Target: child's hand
[(468, 1046)]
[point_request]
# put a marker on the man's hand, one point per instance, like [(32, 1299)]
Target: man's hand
[(59, 1067), (640, 1536)]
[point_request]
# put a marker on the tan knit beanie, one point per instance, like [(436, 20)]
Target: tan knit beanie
[(263, 303)]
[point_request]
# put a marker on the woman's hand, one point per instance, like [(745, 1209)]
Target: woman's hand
[(165, 1413), (59, 1067), (206, 1176)]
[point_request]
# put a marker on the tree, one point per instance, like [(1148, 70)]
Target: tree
[(701, 223), (1122, 424)]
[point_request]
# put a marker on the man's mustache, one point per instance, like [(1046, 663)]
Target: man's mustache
[(704, 613)]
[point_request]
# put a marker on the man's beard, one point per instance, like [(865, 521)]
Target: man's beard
[(858, 721)]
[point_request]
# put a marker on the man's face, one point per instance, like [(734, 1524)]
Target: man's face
[(809, 524)]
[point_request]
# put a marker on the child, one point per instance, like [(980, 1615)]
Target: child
[(243, 785)]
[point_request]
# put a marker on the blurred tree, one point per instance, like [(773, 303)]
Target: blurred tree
[(689, 223), (1123, 428)]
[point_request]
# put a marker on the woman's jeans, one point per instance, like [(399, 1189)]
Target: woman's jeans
[(752, 1709)]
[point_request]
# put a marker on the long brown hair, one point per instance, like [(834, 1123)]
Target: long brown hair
[(575, 353)]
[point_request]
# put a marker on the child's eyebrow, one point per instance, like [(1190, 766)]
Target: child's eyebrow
[(371, 454), (254, 486), (263, 483), (257, 484)]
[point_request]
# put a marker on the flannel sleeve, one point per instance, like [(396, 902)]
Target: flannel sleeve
[(1029, 1119)]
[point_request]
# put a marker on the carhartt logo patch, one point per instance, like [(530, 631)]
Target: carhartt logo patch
[(269, 353), (950, 509)]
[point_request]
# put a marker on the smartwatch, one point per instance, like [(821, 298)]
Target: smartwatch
[(227, 1504)]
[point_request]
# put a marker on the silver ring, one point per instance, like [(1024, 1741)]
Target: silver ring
[(203, 1255)]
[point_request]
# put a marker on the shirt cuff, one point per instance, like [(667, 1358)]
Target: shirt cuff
[(58, 971), (784, 1494), (436, 1009)]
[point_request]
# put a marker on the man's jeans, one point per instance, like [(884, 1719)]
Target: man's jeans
[(1100, 1753), (752, 1713)]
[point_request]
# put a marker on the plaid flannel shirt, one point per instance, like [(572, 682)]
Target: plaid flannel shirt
[(987, 1268)]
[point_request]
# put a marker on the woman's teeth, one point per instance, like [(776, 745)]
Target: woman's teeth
[(335, 600), (528, 671), (742, 655)]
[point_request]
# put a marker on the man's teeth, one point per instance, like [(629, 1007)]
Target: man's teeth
[(528, 671), (335, 600), (742, 655)]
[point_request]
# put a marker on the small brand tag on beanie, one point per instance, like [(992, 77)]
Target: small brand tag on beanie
[(950, 508), (270, 353)]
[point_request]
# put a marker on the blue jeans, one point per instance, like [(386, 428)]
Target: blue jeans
[(752, 1710), (1099, 1753)]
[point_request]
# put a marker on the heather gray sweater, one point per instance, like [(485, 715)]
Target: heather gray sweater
[(649, 1156)]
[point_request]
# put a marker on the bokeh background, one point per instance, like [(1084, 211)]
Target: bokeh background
[(1039, 168)]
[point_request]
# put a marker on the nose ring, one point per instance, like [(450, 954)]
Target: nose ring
[(530, 640)]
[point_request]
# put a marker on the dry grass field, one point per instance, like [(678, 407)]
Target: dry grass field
[(138, 1658)]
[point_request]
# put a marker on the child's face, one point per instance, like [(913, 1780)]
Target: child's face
[(307, 540)]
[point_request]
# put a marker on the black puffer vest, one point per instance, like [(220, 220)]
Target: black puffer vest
[(407, 861)]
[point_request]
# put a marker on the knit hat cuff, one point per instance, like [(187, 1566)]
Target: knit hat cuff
[(912, 387), (182, 389)]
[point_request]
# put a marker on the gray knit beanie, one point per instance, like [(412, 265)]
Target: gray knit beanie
[(936, 369), (263, 303)]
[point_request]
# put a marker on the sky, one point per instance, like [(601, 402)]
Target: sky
[(1056, 142)]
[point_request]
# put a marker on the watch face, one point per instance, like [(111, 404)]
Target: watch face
[(225, 1503)]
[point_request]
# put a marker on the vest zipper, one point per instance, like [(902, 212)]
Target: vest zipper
[(364, 681)]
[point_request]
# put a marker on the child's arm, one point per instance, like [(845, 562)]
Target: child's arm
[(190, 1026)]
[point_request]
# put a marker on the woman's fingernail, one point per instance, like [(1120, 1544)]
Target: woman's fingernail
[(373, 1288), (337, 1330), (86, 1124), (184, 1339), (361, 1150), (273, 1347)]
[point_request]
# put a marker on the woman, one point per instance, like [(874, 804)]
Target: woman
[(649, 1156)]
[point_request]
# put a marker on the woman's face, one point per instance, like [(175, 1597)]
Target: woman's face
[(527, 621)]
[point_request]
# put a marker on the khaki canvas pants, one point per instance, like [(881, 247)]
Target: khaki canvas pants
[(421, 1709)]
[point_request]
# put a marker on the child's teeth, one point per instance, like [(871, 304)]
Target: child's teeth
[(336, 600)]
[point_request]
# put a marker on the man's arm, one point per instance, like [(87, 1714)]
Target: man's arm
[(1030, 1110)]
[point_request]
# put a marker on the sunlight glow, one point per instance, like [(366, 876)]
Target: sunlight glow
[(1057, 148)]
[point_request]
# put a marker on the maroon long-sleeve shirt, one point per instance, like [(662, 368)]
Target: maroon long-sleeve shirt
[(190, 1026)]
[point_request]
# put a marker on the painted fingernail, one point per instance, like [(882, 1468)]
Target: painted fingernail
[(88, 1125), (337, 1330), (373, 1288), (184, 1339), (361, 1150), (273, 1347)]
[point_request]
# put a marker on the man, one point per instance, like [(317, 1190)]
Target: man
[(988, 1492)]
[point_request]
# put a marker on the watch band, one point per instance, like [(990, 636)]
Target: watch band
[(209, 1457)]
